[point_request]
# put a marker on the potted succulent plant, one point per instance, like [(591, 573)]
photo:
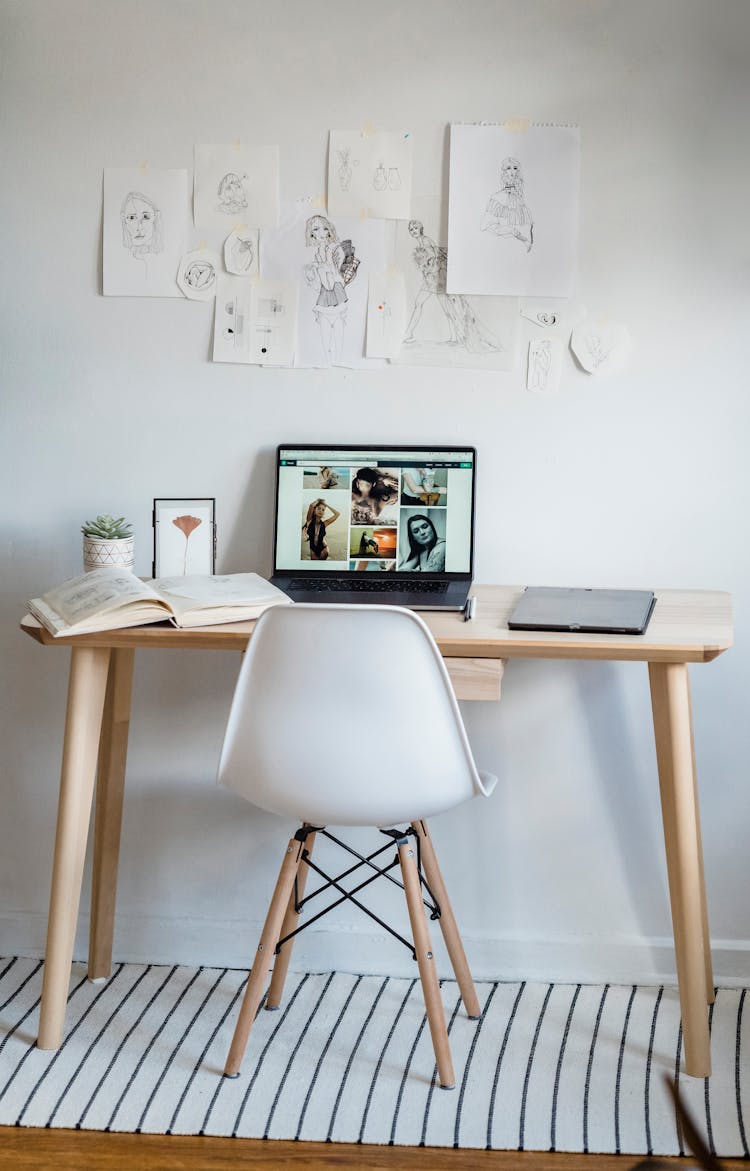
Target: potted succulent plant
[(107, 543)]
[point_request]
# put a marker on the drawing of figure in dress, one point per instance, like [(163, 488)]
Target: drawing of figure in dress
[(464, 327), (142, 232), (232, 194), (507, 213), (333, 266)]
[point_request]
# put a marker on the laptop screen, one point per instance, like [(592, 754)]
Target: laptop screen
[(400, 510)]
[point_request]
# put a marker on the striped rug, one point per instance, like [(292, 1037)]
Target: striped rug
[(348, 1059)]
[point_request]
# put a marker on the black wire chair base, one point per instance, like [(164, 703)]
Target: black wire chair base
[(334, 882)]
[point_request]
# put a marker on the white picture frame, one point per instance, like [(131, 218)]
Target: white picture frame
[(184, 536)]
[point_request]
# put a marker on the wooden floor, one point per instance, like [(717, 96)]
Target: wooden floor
[(71, 1150)]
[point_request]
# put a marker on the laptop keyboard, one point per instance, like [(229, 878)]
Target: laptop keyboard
[(368, 584)]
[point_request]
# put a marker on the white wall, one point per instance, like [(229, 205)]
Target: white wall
[(636, 481)]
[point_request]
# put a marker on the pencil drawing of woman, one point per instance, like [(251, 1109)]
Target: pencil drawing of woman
[(464, 327), (331, 268), (142, 232), (507, 213)]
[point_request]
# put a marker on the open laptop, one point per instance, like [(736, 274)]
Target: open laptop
[(391, 525)]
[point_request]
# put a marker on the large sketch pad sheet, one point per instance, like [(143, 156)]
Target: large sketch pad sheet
[(513, 210)]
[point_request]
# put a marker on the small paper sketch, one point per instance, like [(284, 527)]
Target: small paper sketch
[(546, 318), (369, 175), (273, 323), (448, 329), (197, 274), (331, 260), (144, 231), (386, 314), (232, 319), (513, 210), (233, 183), (544, 365), (601, 346), (241, 252)]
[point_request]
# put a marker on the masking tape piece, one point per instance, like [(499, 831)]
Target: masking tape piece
[(517, 125)]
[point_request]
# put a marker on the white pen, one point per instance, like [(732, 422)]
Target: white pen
[(469, 608)]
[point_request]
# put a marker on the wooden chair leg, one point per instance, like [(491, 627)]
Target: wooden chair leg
[(447, 921), (276, 989), (268, 940), (426, 964)]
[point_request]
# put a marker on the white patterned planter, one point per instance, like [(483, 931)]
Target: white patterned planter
[(102, 553)]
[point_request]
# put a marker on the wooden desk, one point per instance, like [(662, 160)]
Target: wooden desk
[(686, 627)]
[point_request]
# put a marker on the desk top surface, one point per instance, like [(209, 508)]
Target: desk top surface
[(687, 626)]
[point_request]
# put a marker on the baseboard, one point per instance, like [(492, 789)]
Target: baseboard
[(563, 959)]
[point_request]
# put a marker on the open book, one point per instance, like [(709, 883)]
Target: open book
[(109, 599)]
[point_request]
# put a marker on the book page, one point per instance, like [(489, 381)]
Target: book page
[(229, 589), (95, 593)]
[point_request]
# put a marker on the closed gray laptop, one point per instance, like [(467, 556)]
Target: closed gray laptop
[(594, 611)]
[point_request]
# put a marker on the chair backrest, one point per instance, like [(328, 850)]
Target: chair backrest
[(345, 715)]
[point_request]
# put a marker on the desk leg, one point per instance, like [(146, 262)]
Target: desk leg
[(86, 688), (670, 700), (110, 785)]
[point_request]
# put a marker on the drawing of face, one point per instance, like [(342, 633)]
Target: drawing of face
[(140, 219), (415, 228), (510, 173), (320, 232)]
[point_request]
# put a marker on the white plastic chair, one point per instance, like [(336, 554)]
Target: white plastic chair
[(315, 683)]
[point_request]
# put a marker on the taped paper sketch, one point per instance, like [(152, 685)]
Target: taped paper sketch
[(601, 347), (513, 210), (144, 229), (386, 314), (273, 324), (440, 328), (197, 274), (232, 319), (464, 327), (369, 175), (332, 268), (544, 365), (234, 181), (506, 213), (547, 318), (241, 252), (359, 248), (232, 196)]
